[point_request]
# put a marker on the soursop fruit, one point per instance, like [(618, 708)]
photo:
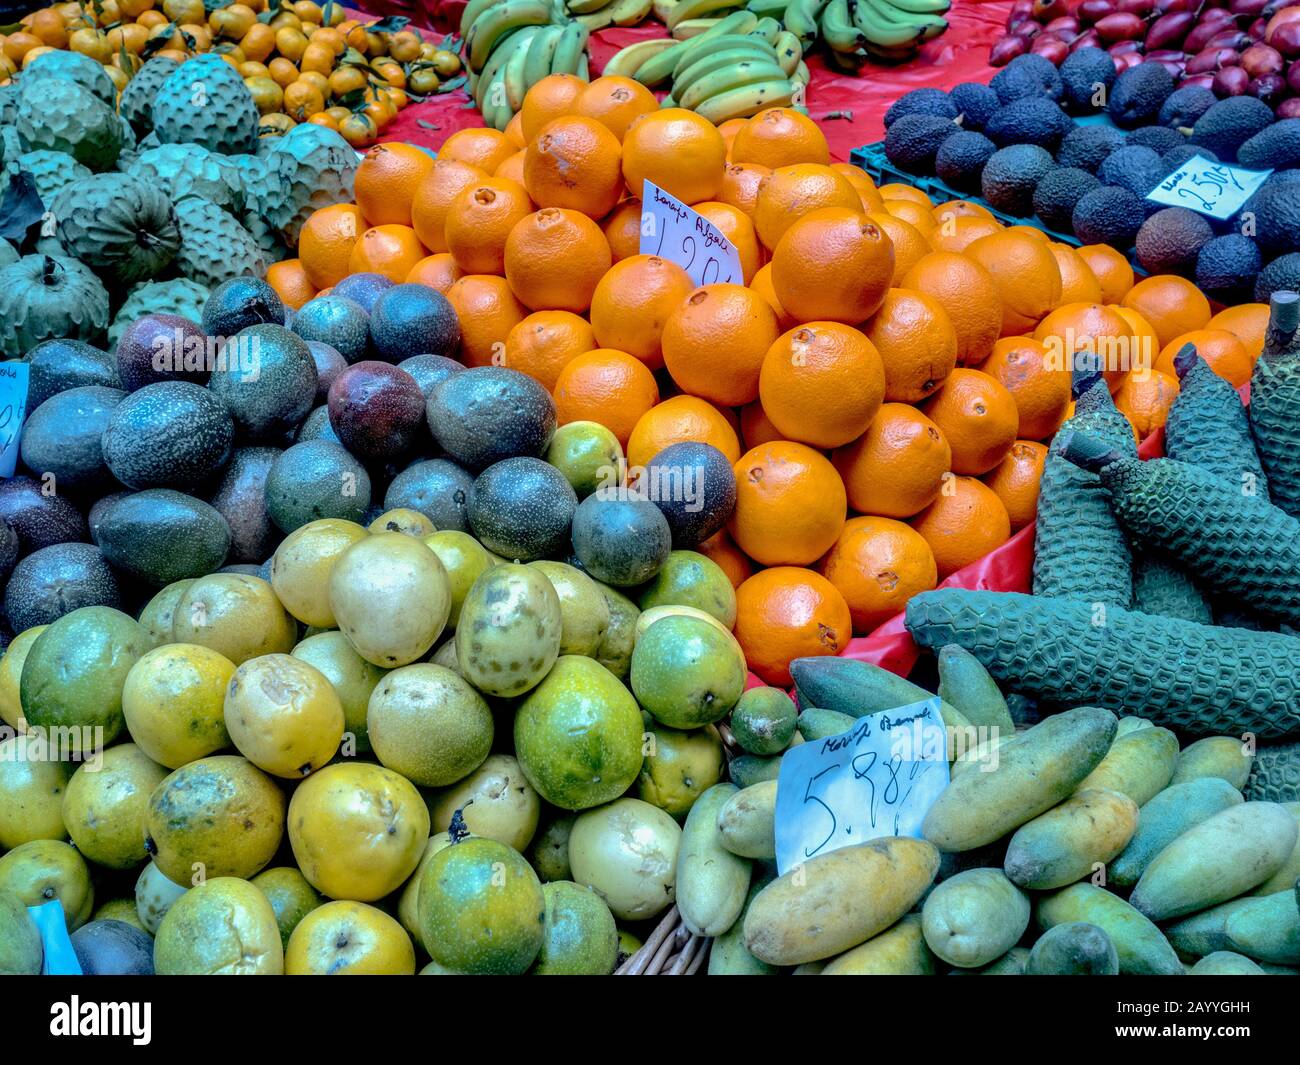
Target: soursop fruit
[(74, 67), (266, 235), (45, 297), (214, 246), (118, 225), (178, 296), (61, 116), (204, 101), (136, 104), (50, 171), (8, 104), (310, 167), (180, 170), (8, 254)]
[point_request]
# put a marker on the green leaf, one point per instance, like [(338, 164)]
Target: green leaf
[(389, 24)]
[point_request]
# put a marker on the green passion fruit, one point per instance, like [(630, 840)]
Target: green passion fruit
[(687, 672)]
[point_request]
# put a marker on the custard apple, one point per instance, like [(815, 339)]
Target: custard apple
[(74, 67), (267, 237), (61, 116), (190, 170), (118, 225), (204, 101), (309, 168), (214, 246), (7, 253), (50, 171), (136, 104), (8, 104), (178, 296), (44, 297)]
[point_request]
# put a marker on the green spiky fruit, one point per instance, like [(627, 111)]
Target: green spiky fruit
[(61, 116), (74, 67), (1275, 402), (309, 168), (179, 170), (1275, 775), (267, 236), (1163, 589), (214, 246), (178, 296), (136, 104), (205, 102), (44, 297), (1203, 679), (50, 171), (120, 226)]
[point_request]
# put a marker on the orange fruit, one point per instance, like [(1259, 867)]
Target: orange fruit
[(897, 191), (554, 258), (483, 148), (326, 241), (1226, 355), (606, 386), (787, 613), (1077, 332), (735, 225), (512, 168), (952, 209), (740, 183), (615, 102), (896, 468), (545, 342), (1015, 480), (444, 181), (916, 342), (290, 282), (959, 232), (677, 150), (715, 341), (868, 194), (878, 564), (548, 99), (1146, 344), (479, 220), (514, 131), (977, 413), (963, 524), (622, 228), (1173, 305), (969, 295), (729, 129), (49, 26), (789, 193), (756, 427), (1040, 389), (390, 250), (918, 216), (574, 163), (790, 504), (833, 264), (1026, 274), (730, 559), (780, 136), (632, 303), (1144, 398), (679, 419), (387, 180), (487, 310), (821, 384), (761, 283), (1078, 283), (1111, 270), (910, 245), (1248, 322), (437, 271)]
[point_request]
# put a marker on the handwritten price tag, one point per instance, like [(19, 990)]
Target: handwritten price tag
[(13, 409), (1215, 189), (673, 231), (877, 779)]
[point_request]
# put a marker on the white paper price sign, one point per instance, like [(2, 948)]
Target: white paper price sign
[(13, 409), (681, 235), (1211, 188), (877, 779)]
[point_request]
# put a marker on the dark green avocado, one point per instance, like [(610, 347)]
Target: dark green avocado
[(1170, 241), (490, 413), (1276, 147), (437, 488), (62, 436), (40, 518), (57, 365), (621, 541), (268, 381), (172, 434), (161, 535), (1138, 94)]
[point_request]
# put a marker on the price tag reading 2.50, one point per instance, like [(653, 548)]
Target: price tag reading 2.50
[(675, 232), (1211, 188), (13, 410), (877, 779)]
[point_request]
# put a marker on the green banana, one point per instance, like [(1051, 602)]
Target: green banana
[(746, 100), (570, 49), (496, 108), (789, 52), (802, 75), (512, 74), (838, 29), (801, 17), (585, 7), (730, 43), (766, 30), (584, 67), (471, 13), (496, 22), (627, 61), (630, 12), (495, 62), (659, 67), (723, 60), (880, 27), (922, 7), (745, 73), (696, 9), (708, 43), (541, 50), (767, 8), (597, 20)]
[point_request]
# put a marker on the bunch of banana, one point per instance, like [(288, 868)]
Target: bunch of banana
[(858, 29), (597, 14), (510, 45)]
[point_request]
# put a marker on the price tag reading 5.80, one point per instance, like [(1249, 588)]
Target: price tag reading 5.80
[(675, 232)]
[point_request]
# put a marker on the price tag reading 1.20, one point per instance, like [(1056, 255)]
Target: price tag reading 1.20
[(13, 409), (1211, 188), (681, 235), (877, 779)]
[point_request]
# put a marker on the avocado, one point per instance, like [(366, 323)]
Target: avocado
[(239, 303), (1058, 192), (1276, 147), (172, 434), (1170, 241), (316, 426), (1027, 75), (1277, 216), (960, 159), (1132, 167), (521, 508), (975, 103), (98, 509), (621, 541), (925, 101), (56, 580), (268, 382), (437, 488), (1160, 139), (1226, 268), (113, 948), (1185, 105), (377, 410), (1109, 215), (1029, 120), (38, 518), (162, 347), (161, 535), (430, 371), (1138, 94), (316, 479), (335, 320), (329, 364), (1230, 123), (363, 289), (1087, 146), (57, 365), (413, 320), (694, 487), (240, 498), (1086, 77), (490, 413), (1012, 174), (912, 142), (1176, 157), (61, 437), (1281, 275)]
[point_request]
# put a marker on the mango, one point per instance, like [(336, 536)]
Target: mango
[(1167, 816), (1225, 963), (1267, 928), (975, 917), (747, 821), (900, 951), (1141, 946), (711, 881), (1138, 765), (1214, 756), (1069, 841)]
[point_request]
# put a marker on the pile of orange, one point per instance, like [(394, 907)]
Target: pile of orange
[(884, 380)]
